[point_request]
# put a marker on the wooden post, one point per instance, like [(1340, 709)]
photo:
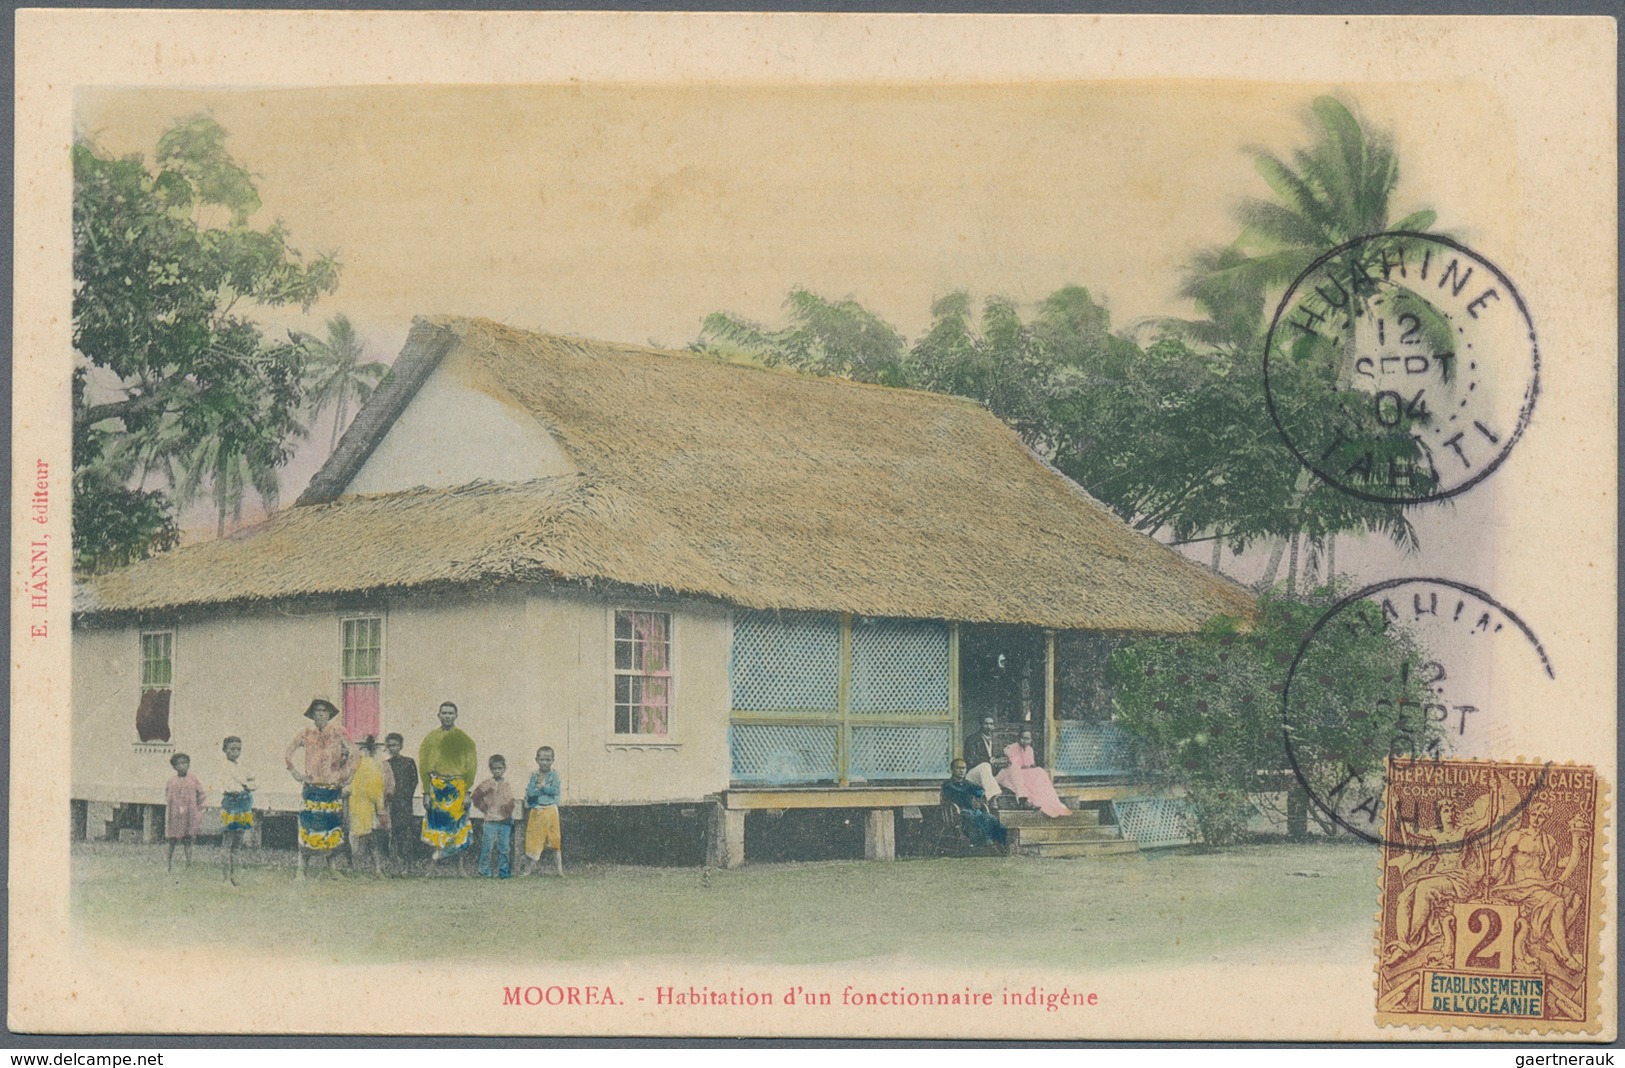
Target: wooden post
[(843, 698), (149, 823), (1049, 702), (956, 729), (880, 834), (725, 845)]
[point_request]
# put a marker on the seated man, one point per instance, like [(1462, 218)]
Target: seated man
[(979, 824), (986, 759)]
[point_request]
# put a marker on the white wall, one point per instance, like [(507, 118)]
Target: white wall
[(249, 676), (459, 428), (577, 701), (525, 669)]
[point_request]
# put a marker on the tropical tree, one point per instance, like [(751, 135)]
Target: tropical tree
[(839, 338), (336, 377), (176, 380), (995, 358), (1331, 193)]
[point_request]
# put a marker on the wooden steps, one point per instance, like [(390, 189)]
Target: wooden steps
[(1077, 834)]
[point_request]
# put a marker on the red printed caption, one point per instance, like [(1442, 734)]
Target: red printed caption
[(39, 557)]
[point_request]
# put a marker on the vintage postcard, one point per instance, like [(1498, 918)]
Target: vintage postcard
[(1023, 527)]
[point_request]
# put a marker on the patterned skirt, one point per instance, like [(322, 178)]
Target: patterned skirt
[(445, 820), (237, 810), (321, 819)]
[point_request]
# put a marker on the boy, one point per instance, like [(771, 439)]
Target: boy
[(403, 829), (236, 805), (183, 808), (542, 825), (494, 799)]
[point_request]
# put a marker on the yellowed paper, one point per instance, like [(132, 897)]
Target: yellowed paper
[(619, 177)]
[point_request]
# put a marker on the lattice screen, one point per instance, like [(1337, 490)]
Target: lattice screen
[(1093, 748), (782, 754), (900, 751), (899, 668), (1154, 822), (784, 663)]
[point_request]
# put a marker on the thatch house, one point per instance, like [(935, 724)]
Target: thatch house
[(704, 584)]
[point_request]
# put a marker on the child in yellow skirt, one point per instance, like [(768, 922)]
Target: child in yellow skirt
[(542, 819)]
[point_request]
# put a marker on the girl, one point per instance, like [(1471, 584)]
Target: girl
[(183, 808)]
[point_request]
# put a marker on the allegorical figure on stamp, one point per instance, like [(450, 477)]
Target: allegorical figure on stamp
[(1444, 867), (1525, 869)]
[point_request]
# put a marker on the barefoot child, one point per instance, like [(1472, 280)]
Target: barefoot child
[(183, 808), (368, 790), (236, 805), (494, 799), (542, 824)]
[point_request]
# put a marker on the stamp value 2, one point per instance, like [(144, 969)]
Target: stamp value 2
[(1487, 921)]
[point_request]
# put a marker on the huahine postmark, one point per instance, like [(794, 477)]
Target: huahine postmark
[(1402, 367), (1487, 921), (1470, 650)]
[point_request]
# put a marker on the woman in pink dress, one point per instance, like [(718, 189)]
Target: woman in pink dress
[(1028, 781)]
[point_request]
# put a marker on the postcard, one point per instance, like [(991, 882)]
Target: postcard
[(1030, 527)]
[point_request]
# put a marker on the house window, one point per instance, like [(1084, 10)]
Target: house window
[(642, 673), (157, 684), (360, 674)]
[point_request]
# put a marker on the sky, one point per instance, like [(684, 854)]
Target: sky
[(629, 213)]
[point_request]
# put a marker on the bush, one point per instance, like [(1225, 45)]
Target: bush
[(1206, 710)]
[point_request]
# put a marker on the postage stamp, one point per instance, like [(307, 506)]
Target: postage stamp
[(1490, 911)]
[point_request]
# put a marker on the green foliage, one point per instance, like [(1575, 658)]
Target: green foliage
[(1207, 710), (1337, 189), (114, 525), (335, 373), (996, 359), (193, 390), (838, 338)]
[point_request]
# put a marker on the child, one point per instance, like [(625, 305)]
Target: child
[(183, 808), (403, 829), (542, 825), (494, 799), (367, 790), (236, 805)]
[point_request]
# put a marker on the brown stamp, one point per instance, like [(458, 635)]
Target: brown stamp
[(1491, 896)]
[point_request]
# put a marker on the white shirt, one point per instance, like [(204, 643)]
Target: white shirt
[(235, 777)]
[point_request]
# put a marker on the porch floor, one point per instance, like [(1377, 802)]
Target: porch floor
[(899, 794)]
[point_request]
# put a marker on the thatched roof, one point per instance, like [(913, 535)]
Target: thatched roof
[(753, 487)]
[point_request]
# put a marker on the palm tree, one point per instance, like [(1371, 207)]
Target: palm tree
[(334, 374), (1331, 193), (1338, 190), (234, 440)]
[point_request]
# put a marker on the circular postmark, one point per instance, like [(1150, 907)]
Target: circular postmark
[(1459, 647), (1401, 367)]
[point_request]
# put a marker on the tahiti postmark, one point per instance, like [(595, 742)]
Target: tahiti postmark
[(1401, 367), (1465, 648), (1490, 901)]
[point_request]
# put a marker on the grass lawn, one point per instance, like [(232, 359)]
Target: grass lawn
[(1234, 904)]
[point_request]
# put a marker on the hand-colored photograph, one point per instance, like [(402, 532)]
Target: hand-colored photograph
[(1099, 537)]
